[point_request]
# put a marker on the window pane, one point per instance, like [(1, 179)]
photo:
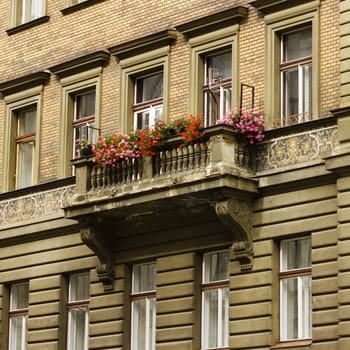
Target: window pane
[(143, 324), (305, 307), (85, 105), (216, 266), (290, 92), (149, 88), (27, 122), (219, 66), (307, 89), (295, 254), (144, 277), (210, 319), (142, 120), (79, 287), (297, 44), (19, 296), (224, 317), (36, 10), (138, 323), (289, 309), (77, 328), (25, 164), (296, 308), (18, 327), (215, 323)]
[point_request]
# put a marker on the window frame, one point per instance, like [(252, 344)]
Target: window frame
[(221, 87), (151, 106), (206, 44), (139, 66), (298, 274), (149, 296), (221, 286), (77, 304), (24, 139), (15, 103), (18, 312), (276, 24), (71, 87), (298, 65)]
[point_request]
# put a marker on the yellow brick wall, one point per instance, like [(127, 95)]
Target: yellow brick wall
[(111, 22)]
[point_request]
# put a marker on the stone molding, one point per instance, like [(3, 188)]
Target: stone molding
[(24, 83), (213, 22), (144, 44)]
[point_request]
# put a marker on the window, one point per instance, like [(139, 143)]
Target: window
[(18, 314), (78, 312), (292, 66), (148, 100), (215, 300), (145, 74), (25, 146), (296, 76), (21, 157), (81, 95), (217, 88), (27, 10), (83, 117), (295, 289), (213, 79), (213, 44), (143, 307), (22, 97)]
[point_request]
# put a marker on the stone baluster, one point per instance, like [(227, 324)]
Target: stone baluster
[(163, 162), (175, 159), (169, 162), (93, 175)]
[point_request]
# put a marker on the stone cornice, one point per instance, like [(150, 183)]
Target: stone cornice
[(271, 6), (144, 44), (24, 83), (215, 21), (80, 64)]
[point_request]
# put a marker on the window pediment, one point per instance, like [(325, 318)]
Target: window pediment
[(271, 6), (213, 22), (24, 83), (81, 64), (144, 44)]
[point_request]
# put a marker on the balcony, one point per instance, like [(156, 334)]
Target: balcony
[(199, 166)]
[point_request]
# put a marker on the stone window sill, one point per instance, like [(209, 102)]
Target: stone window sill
[(27, 25), (292, 344)]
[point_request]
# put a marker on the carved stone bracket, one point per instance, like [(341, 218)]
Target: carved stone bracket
[(236, 215), (97, 241)]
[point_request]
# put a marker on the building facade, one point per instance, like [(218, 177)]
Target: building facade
[(211, 245)]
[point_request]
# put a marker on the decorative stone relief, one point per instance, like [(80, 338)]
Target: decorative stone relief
[(35, 206), (297, 148), (236, 215), (98, 242)]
